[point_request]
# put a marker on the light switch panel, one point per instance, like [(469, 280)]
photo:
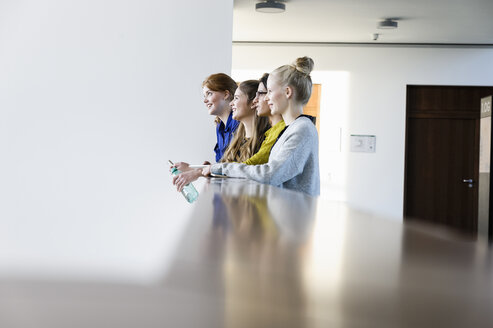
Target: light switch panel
[(363, 143)]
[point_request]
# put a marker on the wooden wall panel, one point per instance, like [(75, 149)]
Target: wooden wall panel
[(312, 108)]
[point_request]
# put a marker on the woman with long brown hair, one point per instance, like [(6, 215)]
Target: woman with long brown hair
[(250, 134)]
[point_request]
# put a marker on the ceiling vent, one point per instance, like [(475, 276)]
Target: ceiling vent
[(387, 23), (270, 6)]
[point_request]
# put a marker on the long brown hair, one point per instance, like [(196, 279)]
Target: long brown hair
[(220, 82), (240, 149)]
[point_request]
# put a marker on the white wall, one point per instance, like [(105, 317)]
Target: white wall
[(95, 96), (364, 92)]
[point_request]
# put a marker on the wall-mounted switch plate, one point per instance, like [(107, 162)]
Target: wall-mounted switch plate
[(363, 143)]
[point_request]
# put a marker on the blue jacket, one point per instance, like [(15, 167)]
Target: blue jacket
[(224, 135)]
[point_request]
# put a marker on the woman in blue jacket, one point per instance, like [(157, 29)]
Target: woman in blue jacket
[(218, 90)]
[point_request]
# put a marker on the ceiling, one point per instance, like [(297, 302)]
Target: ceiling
[(355, 21)]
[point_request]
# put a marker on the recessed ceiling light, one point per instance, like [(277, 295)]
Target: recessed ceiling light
[(270, 6), (388, 23)]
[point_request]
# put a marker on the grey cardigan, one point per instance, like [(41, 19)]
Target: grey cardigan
[(293, 161)]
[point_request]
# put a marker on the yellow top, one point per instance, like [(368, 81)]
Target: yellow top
[(262, 156)]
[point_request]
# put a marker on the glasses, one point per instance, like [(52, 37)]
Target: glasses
[(261, 93)]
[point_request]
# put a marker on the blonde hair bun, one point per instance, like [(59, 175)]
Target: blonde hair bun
[(298, 76), (304, 65)]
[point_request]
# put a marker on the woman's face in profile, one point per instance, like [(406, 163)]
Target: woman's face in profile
[(240, 106), (215, 101), (276, 97), (260, 103)]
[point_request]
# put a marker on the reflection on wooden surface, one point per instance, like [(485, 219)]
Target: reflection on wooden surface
[(258, 256)]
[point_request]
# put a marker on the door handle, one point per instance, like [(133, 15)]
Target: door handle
[(469, 181)]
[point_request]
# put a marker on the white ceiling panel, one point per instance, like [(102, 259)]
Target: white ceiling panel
[(355, 21)]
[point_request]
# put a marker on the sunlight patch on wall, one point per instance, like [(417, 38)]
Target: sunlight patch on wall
[(334, 108)]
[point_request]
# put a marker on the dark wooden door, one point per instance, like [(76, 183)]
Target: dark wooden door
[(442, 155)]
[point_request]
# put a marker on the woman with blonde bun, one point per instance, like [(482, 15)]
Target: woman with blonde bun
[(293, 161)]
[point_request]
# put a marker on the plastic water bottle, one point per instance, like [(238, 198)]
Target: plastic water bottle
[(189, 192)]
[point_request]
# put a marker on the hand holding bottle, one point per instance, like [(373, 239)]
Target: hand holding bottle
[(183, 182), (184, 178)]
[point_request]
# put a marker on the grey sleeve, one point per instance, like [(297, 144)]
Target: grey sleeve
[(283, 165)]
